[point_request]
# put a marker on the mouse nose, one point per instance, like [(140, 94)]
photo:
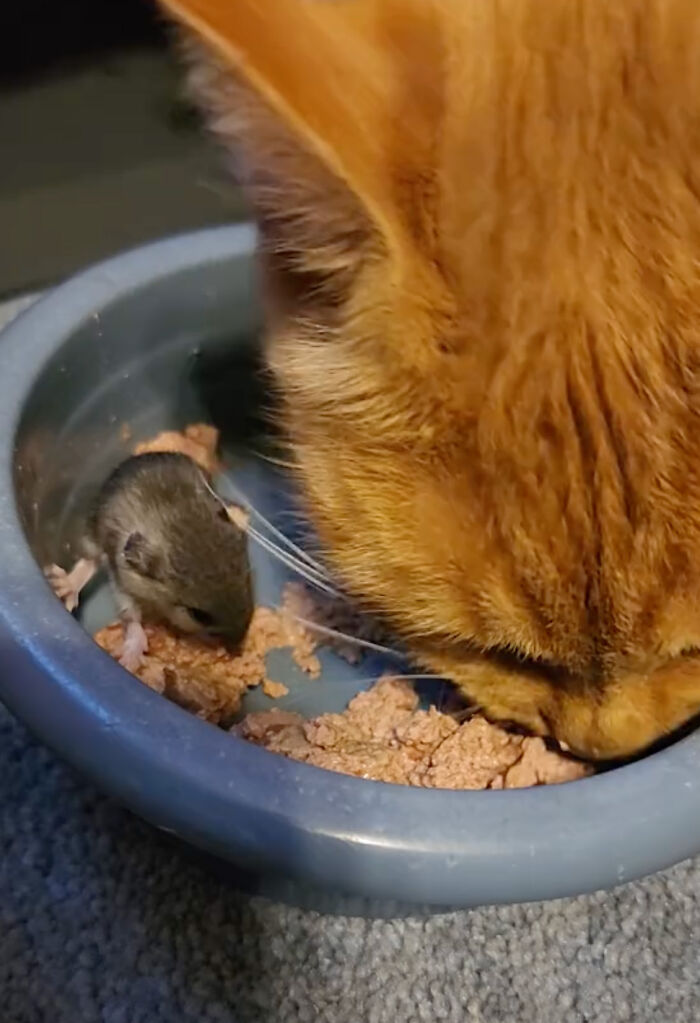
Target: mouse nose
[(238, 628), (232, 617)]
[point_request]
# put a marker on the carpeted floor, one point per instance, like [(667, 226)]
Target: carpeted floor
[(104, 921)]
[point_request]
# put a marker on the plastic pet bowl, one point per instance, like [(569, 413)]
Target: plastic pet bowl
[(142, 340)]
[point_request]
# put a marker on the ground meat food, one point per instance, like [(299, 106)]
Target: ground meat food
[(209, 679), (275, 690), (383, 735), (473, 757), (198, 441), (542, 766)]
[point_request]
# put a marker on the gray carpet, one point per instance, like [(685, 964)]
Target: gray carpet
[(104, 921)]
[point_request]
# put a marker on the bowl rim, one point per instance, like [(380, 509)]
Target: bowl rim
[(438, 847)]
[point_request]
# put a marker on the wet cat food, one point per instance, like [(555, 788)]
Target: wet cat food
[(383, 734)]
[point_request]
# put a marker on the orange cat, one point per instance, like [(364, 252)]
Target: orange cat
[(480, 224)]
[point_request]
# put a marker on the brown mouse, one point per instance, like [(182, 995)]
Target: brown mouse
[(172, 550)]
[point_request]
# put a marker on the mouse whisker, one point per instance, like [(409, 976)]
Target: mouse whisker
[(299, 552), (302, 528), (295, 564), (325, 630), (294, 701), (276, 549), (283, 463), (238, 494)]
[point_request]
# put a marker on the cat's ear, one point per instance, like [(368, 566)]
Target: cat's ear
[(302, 90)]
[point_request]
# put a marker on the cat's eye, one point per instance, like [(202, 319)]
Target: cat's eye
[(202, 618)]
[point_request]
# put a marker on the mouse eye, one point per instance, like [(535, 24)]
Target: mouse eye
[(201, 617), (223, 514)]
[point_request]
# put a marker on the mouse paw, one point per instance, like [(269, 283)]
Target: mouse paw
[(135, 646), (67, 585)]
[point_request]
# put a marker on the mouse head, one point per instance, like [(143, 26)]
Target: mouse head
[(188, 562)]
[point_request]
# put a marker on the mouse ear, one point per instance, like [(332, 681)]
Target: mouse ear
[(140, 557)]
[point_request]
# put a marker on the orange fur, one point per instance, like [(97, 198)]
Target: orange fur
[(481, 226)]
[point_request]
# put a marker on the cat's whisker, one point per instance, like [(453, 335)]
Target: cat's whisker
[(459, 714), (325, 630)]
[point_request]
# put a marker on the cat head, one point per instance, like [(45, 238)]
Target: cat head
[(479, 232)]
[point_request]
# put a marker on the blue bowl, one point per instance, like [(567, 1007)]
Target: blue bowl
[(130, 342)]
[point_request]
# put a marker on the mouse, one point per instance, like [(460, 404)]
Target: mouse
[(172, 548)]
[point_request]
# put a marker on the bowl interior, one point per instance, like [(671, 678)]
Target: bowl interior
[(159, 338), (141, 366)]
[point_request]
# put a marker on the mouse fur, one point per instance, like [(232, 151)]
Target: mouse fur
[(172, 551)]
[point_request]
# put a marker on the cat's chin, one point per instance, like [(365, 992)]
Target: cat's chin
[(629, 716)]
